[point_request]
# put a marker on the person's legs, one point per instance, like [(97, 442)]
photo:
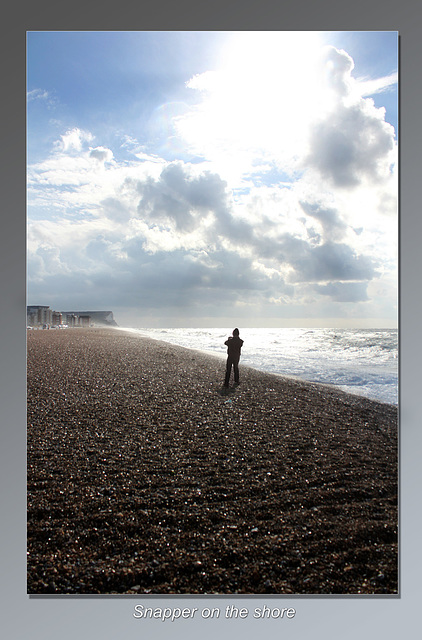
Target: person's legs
[(228, 371), (236, 371)]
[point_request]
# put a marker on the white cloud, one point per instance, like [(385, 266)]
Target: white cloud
[(180, 231), (350, 144), (298, 109), (74, 139), (292, 209), (37, 94), (377, 85), (42, 96)]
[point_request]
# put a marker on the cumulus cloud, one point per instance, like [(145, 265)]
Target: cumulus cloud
[(158, 234), (352, 146), (180, 198), (101, 153), (334, 227), (315, 129), (329, 261), (74, 139), (175, 239), (350, 143), (338, 67)]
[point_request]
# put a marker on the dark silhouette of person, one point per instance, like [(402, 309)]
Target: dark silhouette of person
[(234, 345)]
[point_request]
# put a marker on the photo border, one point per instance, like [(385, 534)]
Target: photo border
[(110, 617)]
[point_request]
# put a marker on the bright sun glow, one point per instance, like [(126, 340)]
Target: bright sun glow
[(258, 107)]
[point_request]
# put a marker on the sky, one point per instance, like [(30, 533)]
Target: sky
[(194, 179)]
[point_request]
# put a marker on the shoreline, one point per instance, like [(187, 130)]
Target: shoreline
[(143, 477), (223, 355)]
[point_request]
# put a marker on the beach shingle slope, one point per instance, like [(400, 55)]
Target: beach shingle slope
[(144, 477)]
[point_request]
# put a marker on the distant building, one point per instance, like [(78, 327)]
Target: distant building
[(39, 316), (57, 318), (96, 317), (71, 319), (43, 316)]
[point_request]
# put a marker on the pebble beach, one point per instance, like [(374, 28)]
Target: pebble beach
[(146, 476)]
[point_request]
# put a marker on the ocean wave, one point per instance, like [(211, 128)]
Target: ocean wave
[(355, 360)]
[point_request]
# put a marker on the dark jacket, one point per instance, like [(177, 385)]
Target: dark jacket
[(234, 345)]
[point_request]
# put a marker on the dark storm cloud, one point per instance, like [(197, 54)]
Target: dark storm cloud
[(100, 153), (167, 272), (164, 279), (237, 231), (155, 252), (329, 261), (182, 198), (343, 291), (350, 146), (66, 290), (179, 197), (330, 220), (179, 200)]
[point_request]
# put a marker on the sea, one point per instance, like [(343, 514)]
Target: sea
[(360, 361)]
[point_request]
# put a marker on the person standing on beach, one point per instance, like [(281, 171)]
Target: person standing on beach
[(234, 345)]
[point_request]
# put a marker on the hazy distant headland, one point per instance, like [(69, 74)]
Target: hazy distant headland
[(98, 317)]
